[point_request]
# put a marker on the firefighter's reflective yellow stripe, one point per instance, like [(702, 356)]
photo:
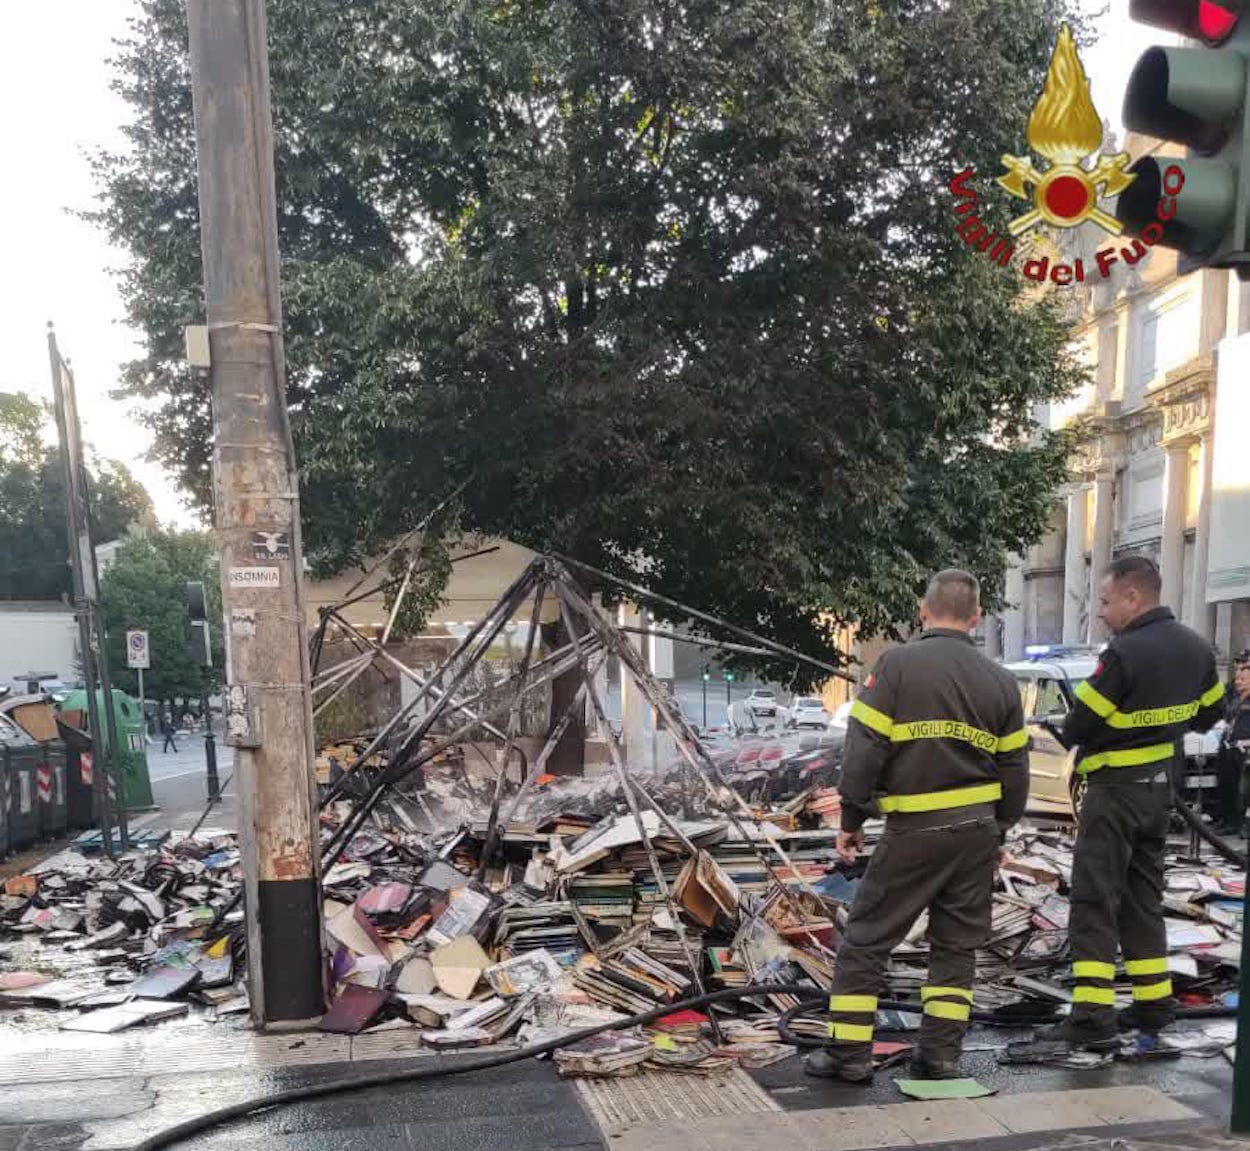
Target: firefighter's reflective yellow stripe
[(1094, 969), (852, 1003), (940, 1009), (1102, 995), (1148, 991), (944, 729), (927, 993), (1145, 966), (851, 1032), (870, 717), (1128, 757), (885, 725), (1101, 706), (1154, 716), (1014, 741), (1093, 699), (941, 800)]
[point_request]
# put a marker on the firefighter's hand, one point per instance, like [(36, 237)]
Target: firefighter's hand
[(849, 843)]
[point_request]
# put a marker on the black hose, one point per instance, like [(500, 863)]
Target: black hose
[(989, 1018), (1191, 817), (222, 1115), (459, 1067)]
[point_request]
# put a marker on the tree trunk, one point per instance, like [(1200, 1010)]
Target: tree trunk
[(569, 756)]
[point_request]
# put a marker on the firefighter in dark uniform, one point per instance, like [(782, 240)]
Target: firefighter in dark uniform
[(1156, 679), (936, 744)]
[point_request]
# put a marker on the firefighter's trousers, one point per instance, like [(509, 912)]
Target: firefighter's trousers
[(1117, 897), (948, 869)]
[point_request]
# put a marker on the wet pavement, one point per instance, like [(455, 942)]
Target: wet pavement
[(93, 1093)]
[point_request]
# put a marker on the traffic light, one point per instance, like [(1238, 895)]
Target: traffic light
[(729, 677), (706, 674), (1195, 96), (200, 647)]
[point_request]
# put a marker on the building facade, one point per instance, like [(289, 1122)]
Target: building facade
[(1143, 481)]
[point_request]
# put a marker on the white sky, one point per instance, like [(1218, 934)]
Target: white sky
[(54, 89)]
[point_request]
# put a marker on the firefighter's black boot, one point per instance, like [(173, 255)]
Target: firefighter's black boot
[(1139, 1017), (1097, 1034), (834, 1063), (932, 1065)]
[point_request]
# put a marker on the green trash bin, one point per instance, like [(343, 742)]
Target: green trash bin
[(136, 786)]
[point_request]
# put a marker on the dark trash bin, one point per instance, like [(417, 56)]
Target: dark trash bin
[(21, 756), (79, 777), (4, 802), (50, 790)]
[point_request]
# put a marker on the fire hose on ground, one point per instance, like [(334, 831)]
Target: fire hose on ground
[(222, 1115)]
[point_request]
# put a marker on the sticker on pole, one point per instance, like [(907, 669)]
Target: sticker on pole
[(255, 577), (138, 653), (271, 545)]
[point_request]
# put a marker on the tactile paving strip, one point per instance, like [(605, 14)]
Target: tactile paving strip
[(652, 1097)]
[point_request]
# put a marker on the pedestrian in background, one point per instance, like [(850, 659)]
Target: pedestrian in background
[(1155, 680), (1230, 765), (170, 732), (936, 743)]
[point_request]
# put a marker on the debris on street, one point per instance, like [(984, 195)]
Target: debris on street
[(476, 907)]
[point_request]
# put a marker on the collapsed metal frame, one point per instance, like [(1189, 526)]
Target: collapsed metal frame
[(592, 639)]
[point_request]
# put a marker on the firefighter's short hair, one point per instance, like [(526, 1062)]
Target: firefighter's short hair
[(1140, 572), (953, 594)]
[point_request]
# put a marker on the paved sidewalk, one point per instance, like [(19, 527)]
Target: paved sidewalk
[(66, 1091)]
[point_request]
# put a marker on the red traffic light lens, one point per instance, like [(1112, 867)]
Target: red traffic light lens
[(1216, 21), (1212, 20)]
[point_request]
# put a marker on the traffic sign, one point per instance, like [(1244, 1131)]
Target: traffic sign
[(138, 654)]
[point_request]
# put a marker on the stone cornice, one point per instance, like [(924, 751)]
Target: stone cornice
[(1184, 401)]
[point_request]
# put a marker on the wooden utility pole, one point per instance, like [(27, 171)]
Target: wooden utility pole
[(267, 703)]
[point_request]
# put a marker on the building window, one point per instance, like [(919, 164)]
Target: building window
[(1167, 338), (1148, 350)]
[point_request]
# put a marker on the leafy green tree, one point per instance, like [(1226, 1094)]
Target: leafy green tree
[(145, 588), (676, 284), (34, 556)]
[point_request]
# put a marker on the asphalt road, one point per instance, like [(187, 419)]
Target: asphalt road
[(180, 784)]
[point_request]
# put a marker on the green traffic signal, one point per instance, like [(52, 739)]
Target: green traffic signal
[(1187, 204), (1186, 94)]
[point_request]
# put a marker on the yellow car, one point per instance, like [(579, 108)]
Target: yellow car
[(1047, 680)]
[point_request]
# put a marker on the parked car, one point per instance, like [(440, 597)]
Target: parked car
[(762, 702), (807, 711), (1047, 685)]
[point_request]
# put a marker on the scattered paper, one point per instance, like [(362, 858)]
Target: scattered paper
[(943, 1088), (111, 1019), (458, 966)]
